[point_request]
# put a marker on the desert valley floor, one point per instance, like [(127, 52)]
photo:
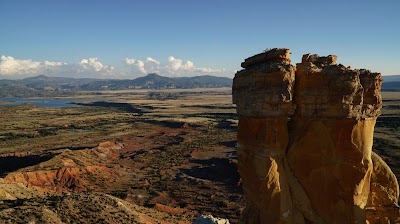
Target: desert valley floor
[(134, 157)]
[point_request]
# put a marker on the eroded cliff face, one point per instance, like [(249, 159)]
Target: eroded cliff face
[(305, 142)]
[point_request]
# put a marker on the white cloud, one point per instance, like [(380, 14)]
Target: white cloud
[(177, 65), (173, 67), (18, 68), (10, 66), (92, 67), (91, 63), (52, 63), (149, 59), (136, 63), (129, 61), (94, 64)]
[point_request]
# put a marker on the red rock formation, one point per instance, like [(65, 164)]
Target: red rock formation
[(57, 180), (318, 167), (66, 175)]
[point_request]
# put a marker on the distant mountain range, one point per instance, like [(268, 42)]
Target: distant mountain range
[(42, 85), (154, 81), (391, 83), (391, 78)]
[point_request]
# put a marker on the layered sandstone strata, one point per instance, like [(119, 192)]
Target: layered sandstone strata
[(263, 94), (305, 142)]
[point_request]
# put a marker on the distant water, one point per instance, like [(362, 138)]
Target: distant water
[(42, 102)]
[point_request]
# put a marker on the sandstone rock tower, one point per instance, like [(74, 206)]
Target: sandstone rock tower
[(305, 142)]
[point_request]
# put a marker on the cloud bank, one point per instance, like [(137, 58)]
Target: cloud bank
[(94, 64), (12, 68), (173, 67)]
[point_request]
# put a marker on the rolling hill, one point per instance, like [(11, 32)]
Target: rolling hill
[(42, 83), (154, 81), (391, 83)]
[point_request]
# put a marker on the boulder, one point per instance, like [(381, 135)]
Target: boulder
[(209, 219)]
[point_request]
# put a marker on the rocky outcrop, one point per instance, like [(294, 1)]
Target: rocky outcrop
[(382, 205), (263, 94), (384, 186), (209, 219), (326, 90), (265, 88), (305, 139), (69, 171), (65, 178)]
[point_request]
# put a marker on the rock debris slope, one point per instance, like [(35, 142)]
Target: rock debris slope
[(305, 142)]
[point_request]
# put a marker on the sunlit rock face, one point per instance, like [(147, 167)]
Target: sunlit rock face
[(305, 139)]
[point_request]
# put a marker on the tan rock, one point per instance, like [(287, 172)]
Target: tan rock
[(383, 215), (331, 136), (264, 89), (261, 147), (384, 186), (305, 140), (331, 160), (209, 219), (335, 91), (263, 94), (315, 59), (382, 201), (279, 55)]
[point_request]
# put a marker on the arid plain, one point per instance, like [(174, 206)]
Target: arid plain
[(135, 157)]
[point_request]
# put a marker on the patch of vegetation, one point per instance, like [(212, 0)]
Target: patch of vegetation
[(12, 136)]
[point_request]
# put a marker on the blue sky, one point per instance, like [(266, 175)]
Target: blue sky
[(126, 39)]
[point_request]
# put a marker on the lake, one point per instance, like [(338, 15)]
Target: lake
[(42, 102)]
